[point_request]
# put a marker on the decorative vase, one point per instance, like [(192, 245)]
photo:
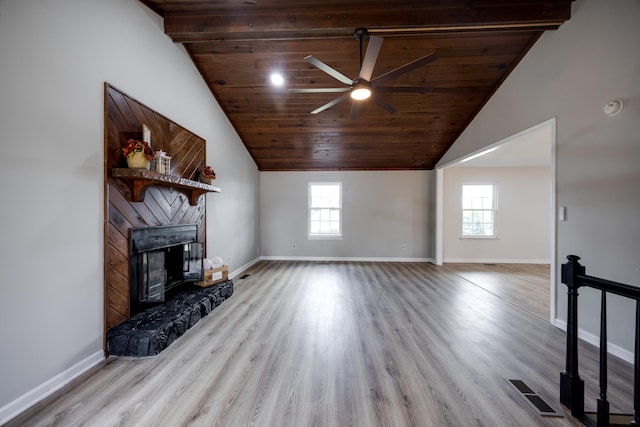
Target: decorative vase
[(138, 161), (206, 180)]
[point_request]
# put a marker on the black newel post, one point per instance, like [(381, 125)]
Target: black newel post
[(636, 371), (571, 386)]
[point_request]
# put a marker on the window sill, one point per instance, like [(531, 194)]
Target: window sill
[(479, 237), (324, 236)]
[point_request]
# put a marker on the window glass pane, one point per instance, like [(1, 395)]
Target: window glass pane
[(325, 196), (487, 202)]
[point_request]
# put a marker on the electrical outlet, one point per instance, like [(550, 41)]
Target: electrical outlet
[(294, 246), (403, 247)]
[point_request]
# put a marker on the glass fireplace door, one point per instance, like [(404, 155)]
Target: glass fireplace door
[(153, 275), (192, 261)]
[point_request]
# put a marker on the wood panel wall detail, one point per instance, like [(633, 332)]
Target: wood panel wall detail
[(123, 119)]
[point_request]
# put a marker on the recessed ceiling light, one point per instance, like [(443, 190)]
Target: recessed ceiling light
[(277, 79)]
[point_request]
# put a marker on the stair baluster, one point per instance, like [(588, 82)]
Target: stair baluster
[(571, 385)]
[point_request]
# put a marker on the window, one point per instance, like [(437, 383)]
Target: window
[(325, 209), (479, 210)]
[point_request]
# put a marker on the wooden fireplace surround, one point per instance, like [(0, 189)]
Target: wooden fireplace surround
[(144, 198)]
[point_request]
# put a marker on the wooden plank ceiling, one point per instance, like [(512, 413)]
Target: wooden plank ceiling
[(237, 44)]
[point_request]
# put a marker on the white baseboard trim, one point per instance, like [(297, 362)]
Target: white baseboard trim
[(30, 398), (498, 261), (330, 258), (238, 271), (613, 349)]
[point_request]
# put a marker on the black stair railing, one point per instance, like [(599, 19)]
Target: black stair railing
[(571, 385)]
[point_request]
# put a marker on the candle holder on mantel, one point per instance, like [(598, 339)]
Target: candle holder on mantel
[(162, 163)]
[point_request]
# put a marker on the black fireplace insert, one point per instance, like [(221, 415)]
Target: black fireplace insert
[(161, 259)]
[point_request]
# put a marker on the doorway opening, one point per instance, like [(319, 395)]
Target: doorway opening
[(524, 166)]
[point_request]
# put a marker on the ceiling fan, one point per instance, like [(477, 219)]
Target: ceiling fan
[(362, 87)]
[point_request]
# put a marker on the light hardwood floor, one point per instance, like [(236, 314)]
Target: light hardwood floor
[(339, 344), (525, 285)]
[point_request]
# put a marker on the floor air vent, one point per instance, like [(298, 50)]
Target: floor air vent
[(536, 402), (244, 276)]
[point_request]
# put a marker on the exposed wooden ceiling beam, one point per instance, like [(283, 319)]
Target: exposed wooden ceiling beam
[(266, 22)]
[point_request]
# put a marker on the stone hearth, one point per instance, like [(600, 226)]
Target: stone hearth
[(149, 332)]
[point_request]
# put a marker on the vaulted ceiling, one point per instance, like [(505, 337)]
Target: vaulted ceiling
[(238, 44)]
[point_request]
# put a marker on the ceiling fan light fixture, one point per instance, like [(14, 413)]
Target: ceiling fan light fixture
[(360, 93)]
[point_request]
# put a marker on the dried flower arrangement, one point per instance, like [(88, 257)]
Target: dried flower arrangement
[(207, 172), (135, 146)]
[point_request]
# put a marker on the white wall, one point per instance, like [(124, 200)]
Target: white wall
[(54, 58), (523, 215), (571, 74), (381, 211)]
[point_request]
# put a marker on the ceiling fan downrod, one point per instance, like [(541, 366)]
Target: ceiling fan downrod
[(361, 34)]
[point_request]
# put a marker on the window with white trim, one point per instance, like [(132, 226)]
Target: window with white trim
[(325, 210), (479, 210)]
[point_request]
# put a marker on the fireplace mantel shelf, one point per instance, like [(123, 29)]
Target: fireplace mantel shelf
[(140, 179)]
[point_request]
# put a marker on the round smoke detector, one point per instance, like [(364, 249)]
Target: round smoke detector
[(613, 107)]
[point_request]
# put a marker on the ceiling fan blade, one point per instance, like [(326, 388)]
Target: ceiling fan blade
[(355, 107), (321, 90), (331, 104), (404, 89), (332, 72), (370, 57), (404, 69), (381, 102)]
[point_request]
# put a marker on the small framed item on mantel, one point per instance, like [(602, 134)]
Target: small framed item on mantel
[(146, 133)]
